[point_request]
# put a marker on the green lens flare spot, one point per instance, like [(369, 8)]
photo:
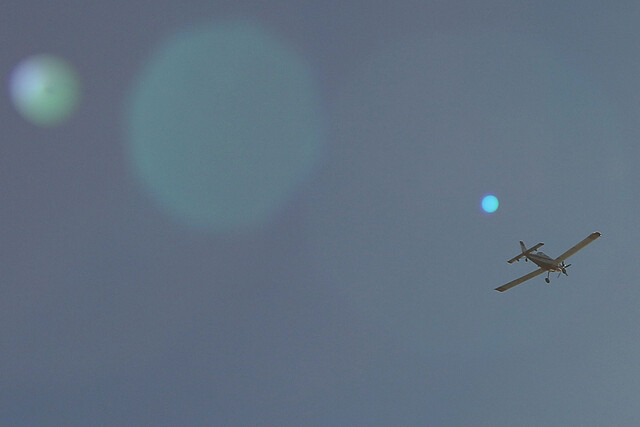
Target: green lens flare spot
[(44, 89)]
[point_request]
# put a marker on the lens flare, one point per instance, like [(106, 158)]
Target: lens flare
[(45, 89), (490, 203), (223, 125)]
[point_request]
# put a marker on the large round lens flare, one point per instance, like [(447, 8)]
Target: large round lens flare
[(223, 125)]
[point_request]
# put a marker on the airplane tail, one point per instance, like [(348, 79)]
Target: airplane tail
[(525, 252)]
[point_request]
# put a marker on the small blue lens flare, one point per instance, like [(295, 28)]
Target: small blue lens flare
[(490, 203)]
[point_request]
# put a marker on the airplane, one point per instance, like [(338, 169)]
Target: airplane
[(545, 262)]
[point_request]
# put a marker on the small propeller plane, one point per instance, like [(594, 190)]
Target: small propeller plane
[(545, 262)]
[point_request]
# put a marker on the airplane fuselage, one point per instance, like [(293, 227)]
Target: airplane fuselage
[(544, 261)]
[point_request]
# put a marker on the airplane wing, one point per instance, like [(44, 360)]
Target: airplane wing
[(576, 248), (521, 280)]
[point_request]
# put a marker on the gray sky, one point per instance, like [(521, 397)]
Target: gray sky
[(367, 297)]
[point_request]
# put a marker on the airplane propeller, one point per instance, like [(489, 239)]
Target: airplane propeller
[(563, 268)]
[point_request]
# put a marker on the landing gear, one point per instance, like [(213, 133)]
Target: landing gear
[(546, 279)]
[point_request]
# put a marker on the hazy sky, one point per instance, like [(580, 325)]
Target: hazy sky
[(365, 293)]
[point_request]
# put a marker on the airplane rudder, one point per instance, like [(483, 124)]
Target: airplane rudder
[(522, 246)]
